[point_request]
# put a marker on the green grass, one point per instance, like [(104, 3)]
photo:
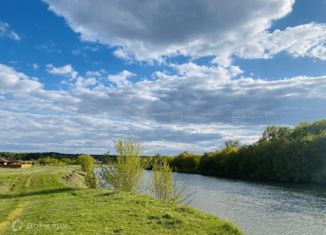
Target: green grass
[(39, 201)]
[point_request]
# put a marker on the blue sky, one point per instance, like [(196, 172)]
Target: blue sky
[(175, 75)]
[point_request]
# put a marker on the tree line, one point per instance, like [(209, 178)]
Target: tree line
[(282, 154), (54, 155)]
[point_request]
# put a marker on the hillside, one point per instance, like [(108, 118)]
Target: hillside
[(41, 201)]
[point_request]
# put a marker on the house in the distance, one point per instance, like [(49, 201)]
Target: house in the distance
[(13, 164), (4, 162)]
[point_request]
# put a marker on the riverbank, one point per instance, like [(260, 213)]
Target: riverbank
[(257, 207), (44, 201)]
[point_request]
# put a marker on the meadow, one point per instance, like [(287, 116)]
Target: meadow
[(55, 200)]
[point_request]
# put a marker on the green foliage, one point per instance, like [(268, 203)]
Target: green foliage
[(44, 198), (163, 186), (305, 129), (48, 161), (125, 174), (275, 132), (52, 161), (91, 180), (148, 162), (69, 161), (186, 162), (232, 144), (87, 164), (282, 154), (107, 158)]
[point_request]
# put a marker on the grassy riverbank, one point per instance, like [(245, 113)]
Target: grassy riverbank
[(40, 201)]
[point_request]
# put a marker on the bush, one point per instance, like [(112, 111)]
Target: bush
[(163, 186), (91, 180), (148, 162), (126, 172), (48, 161), (87, 164)]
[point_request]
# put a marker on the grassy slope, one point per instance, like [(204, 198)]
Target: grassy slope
[(44, 204)]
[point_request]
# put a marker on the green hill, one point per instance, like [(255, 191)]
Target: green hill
[(46, 200)]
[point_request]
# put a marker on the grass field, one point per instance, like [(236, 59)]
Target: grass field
[(40, 201)]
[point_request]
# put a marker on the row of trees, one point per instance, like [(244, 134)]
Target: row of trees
[(52, 161), (282, 154), (54, 155)]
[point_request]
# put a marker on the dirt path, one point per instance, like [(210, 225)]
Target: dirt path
[(13, 216), (19, 185)]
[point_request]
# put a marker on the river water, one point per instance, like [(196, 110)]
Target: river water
[(258, 209)]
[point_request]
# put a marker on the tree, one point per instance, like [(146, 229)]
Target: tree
[(186, 162), (232, 144), (50, 161), (87, 164), (275, 132), (107, 158), (163, 186), (126, 172)]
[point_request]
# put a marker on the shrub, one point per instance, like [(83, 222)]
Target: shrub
[(87, 164), (163, 186), (91, 180), (48, 161), (126, 172)]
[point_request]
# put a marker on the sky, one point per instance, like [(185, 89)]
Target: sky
[(175, 75)]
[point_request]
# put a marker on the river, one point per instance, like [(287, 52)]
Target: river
[(257, 208)]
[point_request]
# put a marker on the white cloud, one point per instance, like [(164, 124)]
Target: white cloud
[(95, 134), (304, 40), (95, 73), (63, 70), (193, 70), (84, 83), (121, 79), (12, 81), (197, 109), (157, 28), (6, 31)]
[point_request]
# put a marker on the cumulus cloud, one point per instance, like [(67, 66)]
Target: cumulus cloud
[(158, 28), (12, 81), (196, 108), (63, 70), (121, 79), (6, 31), (95, 134), (299, 41), (183, 106)]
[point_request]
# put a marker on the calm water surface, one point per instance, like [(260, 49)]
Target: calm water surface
[(258, 209)]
